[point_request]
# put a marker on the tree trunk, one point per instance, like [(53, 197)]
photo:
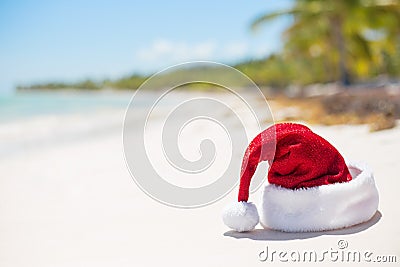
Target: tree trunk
[(337, 25)]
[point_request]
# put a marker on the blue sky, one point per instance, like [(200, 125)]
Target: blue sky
[(46, 40)]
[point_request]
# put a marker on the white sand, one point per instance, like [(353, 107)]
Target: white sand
[(73, 203)]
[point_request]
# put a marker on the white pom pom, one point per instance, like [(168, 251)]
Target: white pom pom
[(241, 216)]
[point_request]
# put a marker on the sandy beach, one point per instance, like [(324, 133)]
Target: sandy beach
[(67, 199)]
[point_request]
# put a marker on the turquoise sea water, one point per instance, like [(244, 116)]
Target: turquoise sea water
[(27, 104), (39, 119)]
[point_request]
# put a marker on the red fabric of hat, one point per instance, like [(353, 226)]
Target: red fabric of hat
[(302, 159)]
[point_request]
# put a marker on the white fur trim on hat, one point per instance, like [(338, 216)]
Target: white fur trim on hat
[(241, 216), (325, 207)]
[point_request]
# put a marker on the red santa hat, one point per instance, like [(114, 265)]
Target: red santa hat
[(310, 186)]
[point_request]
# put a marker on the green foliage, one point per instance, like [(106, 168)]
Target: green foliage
[(86, 84), (131, 82), (334, 39), (272, 71)]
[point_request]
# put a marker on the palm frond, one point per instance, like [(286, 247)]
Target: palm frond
[(256, 23)]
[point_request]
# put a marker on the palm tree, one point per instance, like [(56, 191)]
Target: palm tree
[(340, 31)]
